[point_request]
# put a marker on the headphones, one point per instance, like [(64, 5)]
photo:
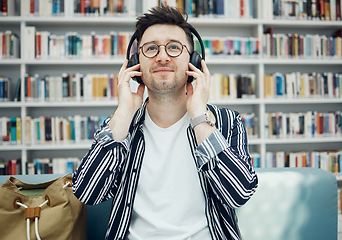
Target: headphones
[(195, 57)]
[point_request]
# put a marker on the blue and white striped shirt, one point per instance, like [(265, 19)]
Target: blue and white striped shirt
[(110, 170)]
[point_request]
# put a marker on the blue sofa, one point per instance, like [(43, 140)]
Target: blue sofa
[(290, 204)]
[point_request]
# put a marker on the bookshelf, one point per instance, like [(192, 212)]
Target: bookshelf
[(219, 27)]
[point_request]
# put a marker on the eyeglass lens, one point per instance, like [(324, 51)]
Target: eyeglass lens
[(173, 49)]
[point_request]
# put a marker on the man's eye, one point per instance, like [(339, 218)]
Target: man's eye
[(152, 48), (174, 47)]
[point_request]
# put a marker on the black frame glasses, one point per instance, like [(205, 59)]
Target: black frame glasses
[(172, 49)]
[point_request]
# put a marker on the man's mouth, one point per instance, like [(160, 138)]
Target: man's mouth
[(162, 70)]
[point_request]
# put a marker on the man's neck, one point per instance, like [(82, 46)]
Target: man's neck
[(166, 112)]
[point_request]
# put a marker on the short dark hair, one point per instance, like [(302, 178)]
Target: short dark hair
[(164, 15)]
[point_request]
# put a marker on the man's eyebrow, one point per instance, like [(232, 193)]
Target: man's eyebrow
[(170, 40)]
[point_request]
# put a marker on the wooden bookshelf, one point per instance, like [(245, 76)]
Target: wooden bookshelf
[(206, 26)]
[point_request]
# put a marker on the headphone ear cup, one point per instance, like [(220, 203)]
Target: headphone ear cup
[(195, 59), (132, 61)]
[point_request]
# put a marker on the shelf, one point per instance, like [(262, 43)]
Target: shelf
[(294, 23), (108, 20), (60, 146), (10, 104), (221, 21), (12, 61), (202, 21), (68, 61), (210, 60), (10, 147), (71, 104), (236, 101), (301, 61), (276, 101), (220, 102), (220, 60), (294, 140), (227, 60), (10, 19)]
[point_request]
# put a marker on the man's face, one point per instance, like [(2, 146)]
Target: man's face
[(163, 73)]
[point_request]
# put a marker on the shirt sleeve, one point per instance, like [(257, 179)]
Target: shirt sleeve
[(97, 177), (227, 164)]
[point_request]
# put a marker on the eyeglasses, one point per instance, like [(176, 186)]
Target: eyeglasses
[(172, 49)]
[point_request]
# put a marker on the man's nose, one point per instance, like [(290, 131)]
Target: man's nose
[(162, 55)]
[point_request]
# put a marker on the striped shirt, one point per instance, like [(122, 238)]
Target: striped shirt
[(110, 170)]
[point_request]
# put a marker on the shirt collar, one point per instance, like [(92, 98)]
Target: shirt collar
[(140, 114)]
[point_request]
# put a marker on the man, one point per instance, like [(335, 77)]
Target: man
[(172, 172)]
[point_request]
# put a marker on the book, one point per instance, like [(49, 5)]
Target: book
[(68, 8), (4, 89), (28, 46)]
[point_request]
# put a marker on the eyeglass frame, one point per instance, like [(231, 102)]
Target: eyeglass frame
[(164, 45)]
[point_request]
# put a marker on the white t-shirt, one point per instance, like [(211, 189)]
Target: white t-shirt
[(169, 202)]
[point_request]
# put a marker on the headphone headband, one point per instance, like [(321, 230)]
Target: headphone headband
[(194, 31), (134, 36)]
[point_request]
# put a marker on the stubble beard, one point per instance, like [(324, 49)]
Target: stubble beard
[(166, 89)]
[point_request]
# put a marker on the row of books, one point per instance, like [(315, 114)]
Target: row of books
[(219, 8), (232, 86), (103, 86), (325, 10), (39, 166), (303, 85), (71, 87), (10, 166), (232, 46), (87, 87), (303, 124), (52, 165), (4, 89), (49, 129), (293, 45), (227, 8), (296, 9), (9, 45), (307, 9), (70, 8), (328, 160), (72, 129), (44, 44)]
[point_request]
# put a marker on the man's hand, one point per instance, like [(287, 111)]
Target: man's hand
[(128, 102), (197, 98)]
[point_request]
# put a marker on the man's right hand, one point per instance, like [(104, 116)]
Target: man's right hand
[(128, 102)]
